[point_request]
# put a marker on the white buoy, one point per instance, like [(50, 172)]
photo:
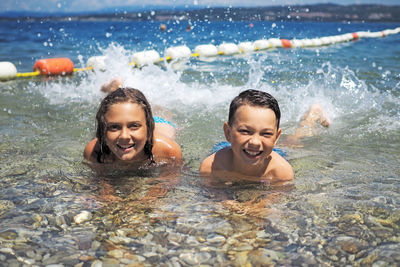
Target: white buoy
[(246, 47), (297, 43), (177, 52), (389, 32), (348, 36), (362, 34), (228, 48), (145, 58), (262, 44), (307, 42), (7, 70), (376, 34), (97, 63), (275, 42), (325, 40), (207, 50), (316, 42), (335, 39)]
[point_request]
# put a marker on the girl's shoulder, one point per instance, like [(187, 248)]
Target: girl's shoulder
[(91, 150), (166, 148)]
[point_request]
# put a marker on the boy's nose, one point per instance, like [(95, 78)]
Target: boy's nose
[(255, 140)]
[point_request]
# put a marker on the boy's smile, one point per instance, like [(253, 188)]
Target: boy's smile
[(252, 135)]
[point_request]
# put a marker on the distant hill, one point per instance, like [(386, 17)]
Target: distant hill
[(318, 12)]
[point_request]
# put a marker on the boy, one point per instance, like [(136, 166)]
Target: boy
[(253, 131)]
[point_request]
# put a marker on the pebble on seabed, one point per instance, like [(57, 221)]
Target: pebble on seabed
[(83, 217)]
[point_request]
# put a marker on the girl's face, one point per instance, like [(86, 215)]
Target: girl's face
[(126, 131), (252, 135)]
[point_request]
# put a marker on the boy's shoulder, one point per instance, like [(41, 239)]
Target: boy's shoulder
[(221, 162), (218, 161), (279, 168)]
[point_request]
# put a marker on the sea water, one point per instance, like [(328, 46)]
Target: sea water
[(343, 207)]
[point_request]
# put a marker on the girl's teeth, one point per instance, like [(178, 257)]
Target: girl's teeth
[(125, 146)]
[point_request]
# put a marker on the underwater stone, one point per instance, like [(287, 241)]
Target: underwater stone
[(189, 258), (350, 246), (121, 240), (97, 263), (60, 220), (116, 253), (5, 205), (216, 239), (192, 241), (8, 234), (195, 258), (82, 217)]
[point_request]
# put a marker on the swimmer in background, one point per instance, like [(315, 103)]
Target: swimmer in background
[(253, 131)]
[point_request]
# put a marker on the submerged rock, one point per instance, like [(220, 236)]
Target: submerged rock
[(82, 217)]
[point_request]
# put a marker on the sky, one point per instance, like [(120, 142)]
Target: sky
[(96, 5)]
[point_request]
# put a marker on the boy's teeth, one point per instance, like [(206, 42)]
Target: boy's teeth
[(252, 153)]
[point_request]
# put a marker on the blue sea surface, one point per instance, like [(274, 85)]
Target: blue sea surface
[(342, 209)]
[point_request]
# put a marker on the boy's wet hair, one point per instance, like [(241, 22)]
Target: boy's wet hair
[(123, 95), (254, 98)]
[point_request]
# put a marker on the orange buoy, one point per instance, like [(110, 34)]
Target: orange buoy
[(54, 66), (355, 35), (286, 43)]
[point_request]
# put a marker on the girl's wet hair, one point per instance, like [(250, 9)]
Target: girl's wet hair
[(254, 98), (123, 95)]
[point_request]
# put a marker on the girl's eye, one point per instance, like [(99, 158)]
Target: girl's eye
[(113, 127), (134, 126)]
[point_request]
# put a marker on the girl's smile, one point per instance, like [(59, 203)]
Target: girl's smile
[(126, 131)]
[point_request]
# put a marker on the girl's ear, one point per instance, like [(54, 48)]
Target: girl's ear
[(278, 134), (227, 132)]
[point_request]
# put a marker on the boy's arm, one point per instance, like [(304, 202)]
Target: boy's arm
[(206, 165)]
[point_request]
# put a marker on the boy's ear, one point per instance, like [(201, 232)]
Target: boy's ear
[(227, 132), (278, 134)]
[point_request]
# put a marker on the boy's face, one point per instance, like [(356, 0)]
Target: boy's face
[(252, 135)]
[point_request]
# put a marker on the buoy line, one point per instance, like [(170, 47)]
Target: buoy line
[(65, 66)]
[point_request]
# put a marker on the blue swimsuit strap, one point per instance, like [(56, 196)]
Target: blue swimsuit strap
[(161, 120), (225, 144)]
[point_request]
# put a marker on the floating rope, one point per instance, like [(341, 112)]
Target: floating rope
[(63, 66)]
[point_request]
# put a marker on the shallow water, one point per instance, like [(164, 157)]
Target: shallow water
[(343, 207)]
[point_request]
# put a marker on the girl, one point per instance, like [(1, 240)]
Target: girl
[(127, 134)]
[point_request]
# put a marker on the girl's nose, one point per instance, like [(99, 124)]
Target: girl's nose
[(124, 133)]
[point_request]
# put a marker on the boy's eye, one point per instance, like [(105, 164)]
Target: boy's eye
[(267, 134), (243, 131)]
